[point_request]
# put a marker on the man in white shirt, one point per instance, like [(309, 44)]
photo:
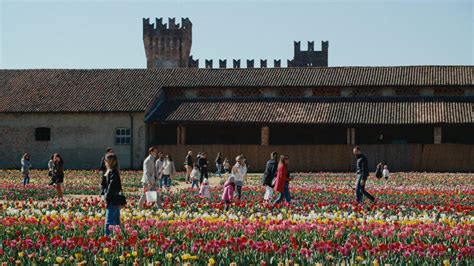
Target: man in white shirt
[(149, 176)]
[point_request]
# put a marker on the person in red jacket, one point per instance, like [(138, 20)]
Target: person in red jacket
[(282, 183)]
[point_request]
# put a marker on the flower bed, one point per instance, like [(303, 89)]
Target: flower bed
[(418, 219)]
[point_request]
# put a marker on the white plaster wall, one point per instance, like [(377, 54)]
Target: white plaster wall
[(80, 138)]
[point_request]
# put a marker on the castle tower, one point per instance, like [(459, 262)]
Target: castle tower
[(310, 58), (168, 45)]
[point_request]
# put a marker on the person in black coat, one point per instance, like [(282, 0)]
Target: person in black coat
[(269, 175), (111, 191), (102, 167), (379, 170), (362, 175), (203, 164)]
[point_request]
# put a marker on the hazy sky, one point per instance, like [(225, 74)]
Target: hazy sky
[(108, 34)]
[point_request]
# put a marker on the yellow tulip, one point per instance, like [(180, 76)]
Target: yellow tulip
[(59, 260), (20, 254), (121, 258), (446, 263), (134, 253), (359, 259), (106, 250), (212, 261), (169, 256)]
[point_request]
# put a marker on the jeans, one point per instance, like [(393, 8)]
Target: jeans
[(112, 217), (26, 179), (195, 183), (285, 194), (219, 169), (238, 186), (360, 190), (165, 181)]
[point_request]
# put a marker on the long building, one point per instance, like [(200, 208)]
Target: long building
[(418, 118)]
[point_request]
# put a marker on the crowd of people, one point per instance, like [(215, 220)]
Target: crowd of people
[(159, 170)]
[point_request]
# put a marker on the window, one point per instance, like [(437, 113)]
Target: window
[(42, 134), (122, 136)]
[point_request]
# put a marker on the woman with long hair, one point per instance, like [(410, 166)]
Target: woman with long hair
[(111, 190), (168, 172), (25, 168), (282, 183), (58, 174), (218, 162)]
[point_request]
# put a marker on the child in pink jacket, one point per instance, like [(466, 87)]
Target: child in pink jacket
[(228, 195)]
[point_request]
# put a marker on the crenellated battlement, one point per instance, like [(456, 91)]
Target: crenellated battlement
[(236, 63), (159, 27), (168, 45)]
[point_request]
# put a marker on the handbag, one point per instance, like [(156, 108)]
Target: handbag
[(151, 196), (274, 181), (116, 199)]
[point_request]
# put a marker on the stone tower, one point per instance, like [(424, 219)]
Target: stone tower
[(310, 58), (168, 45)]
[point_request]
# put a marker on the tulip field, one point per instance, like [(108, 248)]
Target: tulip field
[(418, 219)]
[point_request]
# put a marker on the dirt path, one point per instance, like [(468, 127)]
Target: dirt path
[(177, 185)]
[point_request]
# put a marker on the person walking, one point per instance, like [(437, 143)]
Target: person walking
[(203, 164), (50, 170), (112, 189), (58, 174), (269, 175), (188, 163), (228, 193), (218, 162), (168, 171), (282, 182), (25, 168), (362, 175), (159, 166), (149, 178), (239, 171), (195, 176)]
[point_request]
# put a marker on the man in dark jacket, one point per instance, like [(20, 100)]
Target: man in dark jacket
[(203, 163), (362, 175), (269, 175)]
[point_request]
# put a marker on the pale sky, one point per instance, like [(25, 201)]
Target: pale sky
[(108, 34)]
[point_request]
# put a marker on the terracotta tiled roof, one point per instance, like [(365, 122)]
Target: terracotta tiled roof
[(396, 110), (125, 90)]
